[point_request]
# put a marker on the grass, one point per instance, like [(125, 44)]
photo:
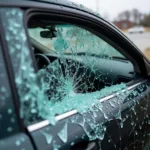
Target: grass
[(124, 30), (147, 29), (147, 53)]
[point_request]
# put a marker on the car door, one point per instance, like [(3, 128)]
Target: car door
[(120, 127), (112, 115)]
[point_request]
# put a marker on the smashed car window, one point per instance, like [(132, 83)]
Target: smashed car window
[(77, 70), (74, 67)]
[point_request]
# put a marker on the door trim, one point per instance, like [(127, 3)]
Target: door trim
[(42, 124)]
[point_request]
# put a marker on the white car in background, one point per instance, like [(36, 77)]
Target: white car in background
[(136, 29)]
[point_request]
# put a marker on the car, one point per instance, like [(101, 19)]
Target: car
[(69, 80), (136, 29)]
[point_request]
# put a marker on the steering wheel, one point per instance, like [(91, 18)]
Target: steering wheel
[(42, 61)]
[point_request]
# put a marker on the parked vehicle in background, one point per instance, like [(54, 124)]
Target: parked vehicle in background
[(136, 29)]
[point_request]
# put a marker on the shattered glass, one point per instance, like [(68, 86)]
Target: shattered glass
[(64, 85), (71, 39), (73, 80)]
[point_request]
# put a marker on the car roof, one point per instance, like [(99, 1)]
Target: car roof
[(67, 3), (61, 3)]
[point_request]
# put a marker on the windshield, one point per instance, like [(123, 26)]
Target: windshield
[(69, 39)]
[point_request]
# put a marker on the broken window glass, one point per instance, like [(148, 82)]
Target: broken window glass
[(75, 67), (70, 39)]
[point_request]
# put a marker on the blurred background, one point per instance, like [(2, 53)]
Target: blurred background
[(130, 16)]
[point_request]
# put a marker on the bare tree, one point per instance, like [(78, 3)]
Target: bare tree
[(127, 14), (146, 20), (120, 16), (134, 15)]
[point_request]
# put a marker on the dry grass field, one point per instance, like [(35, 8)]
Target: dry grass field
[(147, 53)]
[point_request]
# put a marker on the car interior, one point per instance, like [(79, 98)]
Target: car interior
[(91, 71)]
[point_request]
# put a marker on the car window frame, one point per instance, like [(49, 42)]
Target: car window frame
[(56, 12), (137, 58), (27, 14)]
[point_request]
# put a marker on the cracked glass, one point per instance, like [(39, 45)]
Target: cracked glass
[(75, 67)]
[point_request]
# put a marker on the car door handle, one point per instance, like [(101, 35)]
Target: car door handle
[(92, 146)]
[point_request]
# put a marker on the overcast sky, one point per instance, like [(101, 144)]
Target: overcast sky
[(113, 7)]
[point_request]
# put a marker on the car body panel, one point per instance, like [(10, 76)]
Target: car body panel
[(113, 134), (17, 142)]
